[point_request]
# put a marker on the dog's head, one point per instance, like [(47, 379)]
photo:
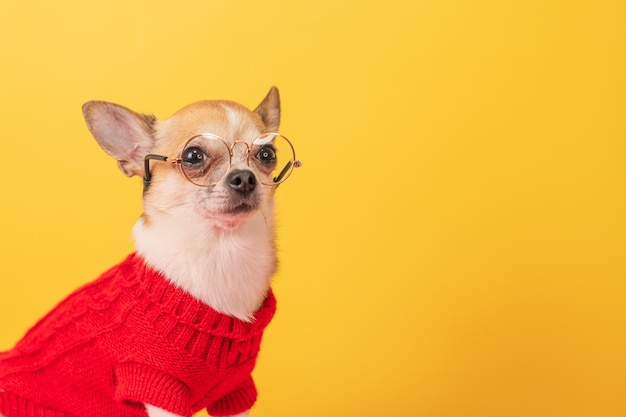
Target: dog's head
[(212, 159)]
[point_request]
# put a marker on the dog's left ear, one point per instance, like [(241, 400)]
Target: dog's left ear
[(125, 135), (269, 110)]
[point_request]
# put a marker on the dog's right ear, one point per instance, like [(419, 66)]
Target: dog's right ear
[(125, 135)]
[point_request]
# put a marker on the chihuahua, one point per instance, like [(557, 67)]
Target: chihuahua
[(176, 327)]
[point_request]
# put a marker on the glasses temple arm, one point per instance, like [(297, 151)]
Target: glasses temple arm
[(296, 164), (283, 172), (147, 176)]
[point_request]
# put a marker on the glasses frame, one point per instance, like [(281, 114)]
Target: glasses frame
[(280, 178)]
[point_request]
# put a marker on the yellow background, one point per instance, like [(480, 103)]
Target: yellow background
[(455, 244)]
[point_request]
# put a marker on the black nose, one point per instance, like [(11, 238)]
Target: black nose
[(243, 181)]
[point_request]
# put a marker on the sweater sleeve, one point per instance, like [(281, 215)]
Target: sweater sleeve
[(144, 384), (237, 401)]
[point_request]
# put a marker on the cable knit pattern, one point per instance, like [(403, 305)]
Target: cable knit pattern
[(127, 339)]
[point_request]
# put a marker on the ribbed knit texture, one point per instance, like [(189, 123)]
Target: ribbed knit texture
[(127, 339)]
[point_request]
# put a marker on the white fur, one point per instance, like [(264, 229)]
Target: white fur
[(228, 270), (233, 117), (159, 412)]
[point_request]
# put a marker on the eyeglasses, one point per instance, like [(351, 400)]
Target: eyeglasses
[(206, 158)]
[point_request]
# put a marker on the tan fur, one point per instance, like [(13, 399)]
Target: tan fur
[(202, 117)]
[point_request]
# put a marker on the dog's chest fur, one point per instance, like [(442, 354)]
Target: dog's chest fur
[(228, 270)]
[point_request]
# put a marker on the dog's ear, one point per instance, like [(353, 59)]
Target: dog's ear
[(125, 135), (269, 110)]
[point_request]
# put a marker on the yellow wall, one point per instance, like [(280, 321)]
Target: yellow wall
[(455, 244)]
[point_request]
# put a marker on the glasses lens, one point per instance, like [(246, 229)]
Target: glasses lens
[(274, 155), (205, 160)]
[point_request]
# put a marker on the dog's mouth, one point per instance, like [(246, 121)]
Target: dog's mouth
[(234, 215), (241, 208)]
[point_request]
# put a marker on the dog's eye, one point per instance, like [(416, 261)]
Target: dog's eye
[(193, 156), (267, 155)]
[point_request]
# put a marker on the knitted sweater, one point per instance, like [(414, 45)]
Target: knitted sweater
[(127, 339)]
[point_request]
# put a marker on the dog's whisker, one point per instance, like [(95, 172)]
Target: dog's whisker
[(167, 208), (267, 225)]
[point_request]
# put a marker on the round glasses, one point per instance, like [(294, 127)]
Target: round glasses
[(206, 158)]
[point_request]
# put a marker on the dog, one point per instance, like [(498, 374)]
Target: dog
[(176, 327)]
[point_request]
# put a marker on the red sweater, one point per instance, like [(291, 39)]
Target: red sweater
[(127, 339)]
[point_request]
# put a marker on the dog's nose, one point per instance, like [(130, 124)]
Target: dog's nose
[(242, 181)]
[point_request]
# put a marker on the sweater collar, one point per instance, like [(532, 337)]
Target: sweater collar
[(167, 302)]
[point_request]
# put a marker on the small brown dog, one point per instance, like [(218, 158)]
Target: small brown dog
[(176, 327)]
